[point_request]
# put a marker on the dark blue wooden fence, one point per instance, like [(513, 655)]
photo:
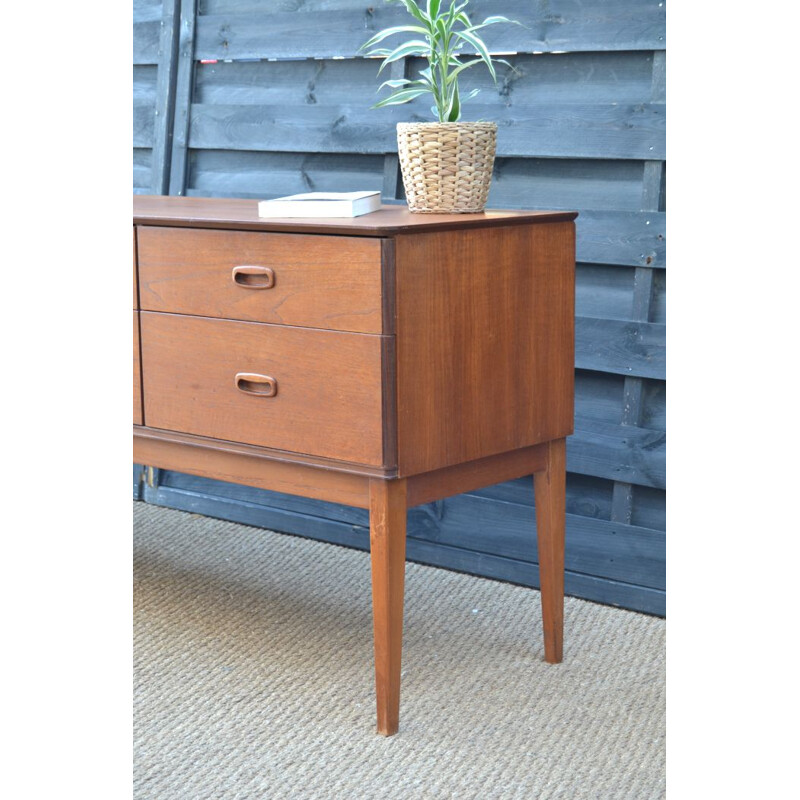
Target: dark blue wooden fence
[(243, 98)]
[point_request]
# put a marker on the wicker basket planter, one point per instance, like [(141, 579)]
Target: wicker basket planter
[(446, 166)]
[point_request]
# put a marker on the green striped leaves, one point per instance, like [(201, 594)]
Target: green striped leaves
[(443, 31)]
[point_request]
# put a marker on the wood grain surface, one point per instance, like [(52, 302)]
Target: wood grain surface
[(329, 385), (387, 545), (249, 466), (549, 488), (319, 281), (485, 342), (448, 481), (328, 29), (222, 212)]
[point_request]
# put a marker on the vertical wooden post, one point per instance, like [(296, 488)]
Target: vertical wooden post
[(633, 388), (184, 84), (387, 536), (165, 96), (550, 493)]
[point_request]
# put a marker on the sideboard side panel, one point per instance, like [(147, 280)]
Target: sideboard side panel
[(485, 342)]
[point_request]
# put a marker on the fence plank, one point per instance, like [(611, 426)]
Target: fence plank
[(267, 175), (624, 348), (146, 35), (165, 93), (146, 38), (636, 238), (339, 31), (547, 78), (557, 131), (643, 289), (145, 78), (603, 291), (143, 123), (566, 183), (619, 452), (183, 94), (142, 170)]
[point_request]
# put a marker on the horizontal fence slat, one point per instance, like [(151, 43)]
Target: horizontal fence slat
[(594, 547), (598, 396), (632, 238), (531, 80), (625, 348), (144, 83), (603, 291), (619, 131), (142, 170), (146, 9), (266, 175), (313, 128), (557, 25), (625, 453), (567, 183), (143, 123), (146, 38)]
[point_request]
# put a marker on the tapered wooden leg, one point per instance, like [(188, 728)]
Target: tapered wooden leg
[(550, 492), (387, 537)]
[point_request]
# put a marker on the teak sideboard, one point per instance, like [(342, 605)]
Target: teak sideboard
[(381, 361)]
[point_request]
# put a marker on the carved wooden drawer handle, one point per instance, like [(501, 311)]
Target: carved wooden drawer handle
[(253, 277), (258, 385)]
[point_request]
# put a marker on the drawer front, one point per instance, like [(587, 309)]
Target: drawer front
[(306, 391), (137, 375), (331, 282)]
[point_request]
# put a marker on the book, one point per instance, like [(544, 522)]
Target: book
[(321, 204)]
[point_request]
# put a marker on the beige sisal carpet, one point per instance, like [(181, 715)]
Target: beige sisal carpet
[(253, 679)]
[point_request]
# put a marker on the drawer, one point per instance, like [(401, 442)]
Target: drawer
[(201, 376), (137, 374), (316, 281)]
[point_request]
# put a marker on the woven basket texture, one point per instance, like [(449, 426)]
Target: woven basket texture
[(446, 166)]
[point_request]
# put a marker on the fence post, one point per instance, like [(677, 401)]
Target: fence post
[(183, 97)]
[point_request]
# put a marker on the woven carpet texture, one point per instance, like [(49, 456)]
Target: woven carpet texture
[(253, 678)]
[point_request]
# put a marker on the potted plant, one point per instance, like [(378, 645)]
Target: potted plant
[(447, 164)]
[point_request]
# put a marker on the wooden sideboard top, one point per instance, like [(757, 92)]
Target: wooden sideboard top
[(208, 212)]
